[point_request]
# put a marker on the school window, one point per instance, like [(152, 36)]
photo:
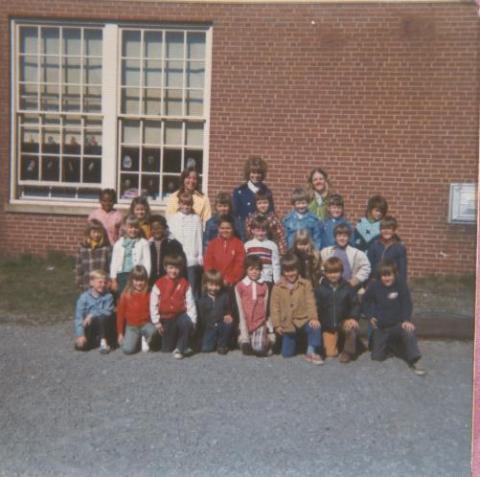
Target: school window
[(107, 106)]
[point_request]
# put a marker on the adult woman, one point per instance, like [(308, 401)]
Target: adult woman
[(189, 183), (318, 187)]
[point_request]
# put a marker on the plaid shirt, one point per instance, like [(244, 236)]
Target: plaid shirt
[(88, 260), (275, 230)]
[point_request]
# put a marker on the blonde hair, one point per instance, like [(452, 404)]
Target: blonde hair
[(138, 272), (98, 274)]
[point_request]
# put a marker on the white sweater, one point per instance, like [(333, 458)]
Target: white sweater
[(140, 256), (357, 259), (187, 229), (267, 251)]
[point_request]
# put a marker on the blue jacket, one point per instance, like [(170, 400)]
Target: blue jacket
[(211, 230), (396, 252), (292, 222), (365, 233), (328, 227), (243, 200), (100, 306)]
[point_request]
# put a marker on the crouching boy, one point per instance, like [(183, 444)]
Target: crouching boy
[(172, 308), (388, 306), (293, 311), (338, 312), (94, 314)]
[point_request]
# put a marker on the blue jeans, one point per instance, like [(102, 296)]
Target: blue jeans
[(217, 336), (133, 334), (289, 340), (176, 333)]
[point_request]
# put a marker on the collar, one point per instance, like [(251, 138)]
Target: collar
[(247, 281), (254, 188)]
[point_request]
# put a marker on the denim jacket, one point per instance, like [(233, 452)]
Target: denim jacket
[(292, 222), (100, 306)]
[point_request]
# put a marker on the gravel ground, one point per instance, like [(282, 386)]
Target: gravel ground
[(65, 413)]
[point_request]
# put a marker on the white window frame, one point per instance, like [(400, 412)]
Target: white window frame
[(111, 46)]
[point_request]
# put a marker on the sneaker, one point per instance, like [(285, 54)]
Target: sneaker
[(246, 349), (222, 351), (104, 348), (188, 352), (314, 358), (145, 345), (344, 358), (177, 354), (418, 370)]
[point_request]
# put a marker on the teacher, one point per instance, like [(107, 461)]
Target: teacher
[(318, 187)]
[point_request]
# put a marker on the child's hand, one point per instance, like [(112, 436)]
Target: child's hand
[(373, 322), (159, 328), (114, 285), (227, 319), (279, 330), (350, 324), (408, 326), (272, 338), (80, 341), (120, 339), (87, 321), (315, 324), (354, 282)]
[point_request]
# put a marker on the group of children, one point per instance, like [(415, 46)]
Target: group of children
[(194, 281)]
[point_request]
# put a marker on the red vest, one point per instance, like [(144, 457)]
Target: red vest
[(172, 297)]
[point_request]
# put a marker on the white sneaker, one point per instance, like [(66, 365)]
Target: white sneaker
[(418, 370), (177, 354), (145, 346)]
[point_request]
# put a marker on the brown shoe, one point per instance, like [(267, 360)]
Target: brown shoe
[(344, 358)]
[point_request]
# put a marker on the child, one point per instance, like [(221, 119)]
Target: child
[(356, 267), (388, 247), (368, 227), (338, 311), (133, 312), (334, 217), (243, 199), (309, 258), (293, 311), (110, 218), (160, 246), (93, 314), (388, 306), (251, 293), (226, 253), (300, 218), (223, 206), (172, 308), (186, 227), (318, 188), (265, 249), (129, 251), (94, 253), (215, 314), (141, 210), (275, 227)]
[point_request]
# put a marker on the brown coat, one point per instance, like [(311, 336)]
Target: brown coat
[(292, 309)]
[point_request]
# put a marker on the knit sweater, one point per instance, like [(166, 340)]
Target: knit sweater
[(140, 256), (227, 257), (359, 264), (267, 251), (133, 309), (275, 229), (187, 229)]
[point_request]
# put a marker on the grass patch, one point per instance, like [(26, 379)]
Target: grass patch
[(37, 290)]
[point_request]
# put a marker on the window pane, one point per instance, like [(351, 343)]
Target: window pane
[(195, 74), (130, 159), (71, 41), (169, 185), (175, 47), (93, 142), (71, 98), (173, 102), (196, 46), (131, 44), (29, 139), (173, 133), (130, 101), (50, 69), (92, 170), (153, 44), (51, 141), (71, 169), (71, 70), (72, 140), (172, 160), (28, 40), (194, 103), (152, 73), (194, 157), (28, 97), (174, 74), (150, 186), (93, 71), (152, 133), (50, 168), (29, 170), (92, 100), (50, 41), (194, 134), (93, 42), (151, 160), (152, 101), (28, 68), (131, 73), (130, 132), (49, 98), (128, 186)]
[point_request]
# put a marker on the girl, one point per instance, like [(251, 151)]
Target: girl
[(189, 183), (368, 228), (110, 218), (94, 253), (133, 312), (129, 251), (141, 210), (310, 261), (318, 187)]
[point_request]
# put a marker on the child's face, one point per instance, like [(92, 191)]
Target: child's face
[(222, 209), (213, 288), (139, 211), (95, 235), (335, 211), (256, 176), (225, 230), (319, 183), (191, 181), (159, 231), (388, 280), (106, 202), (342, 240), (172, 272), (259, 233), (262, 206), (139, 285), (254, 273), (132, 231), (387, 233), (303, 247), (99, 285), (376, 214), (291, 275), (301, 206), (185, 208), (333, 277)]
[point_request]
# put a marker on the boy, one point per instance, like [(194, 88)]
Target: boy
[(388, 306), (338, 312), (186, 227), (301, 218), (293, 311), (265, 249), (94, 314), (223, 206), (161, 246), (275, 227), (388, 247), (356, 267), (334, 217), (172, 308), (368, 227)]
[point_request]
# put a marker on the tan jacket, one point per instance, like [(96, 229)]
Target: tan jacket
[(292, 309)]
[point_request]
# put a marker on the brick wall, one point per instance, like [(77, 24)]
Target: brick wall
[(382, 96)]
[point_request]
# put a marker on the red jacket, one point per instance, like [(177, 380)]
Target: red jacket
[(227, 257), (133, 309), (172, 297)]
